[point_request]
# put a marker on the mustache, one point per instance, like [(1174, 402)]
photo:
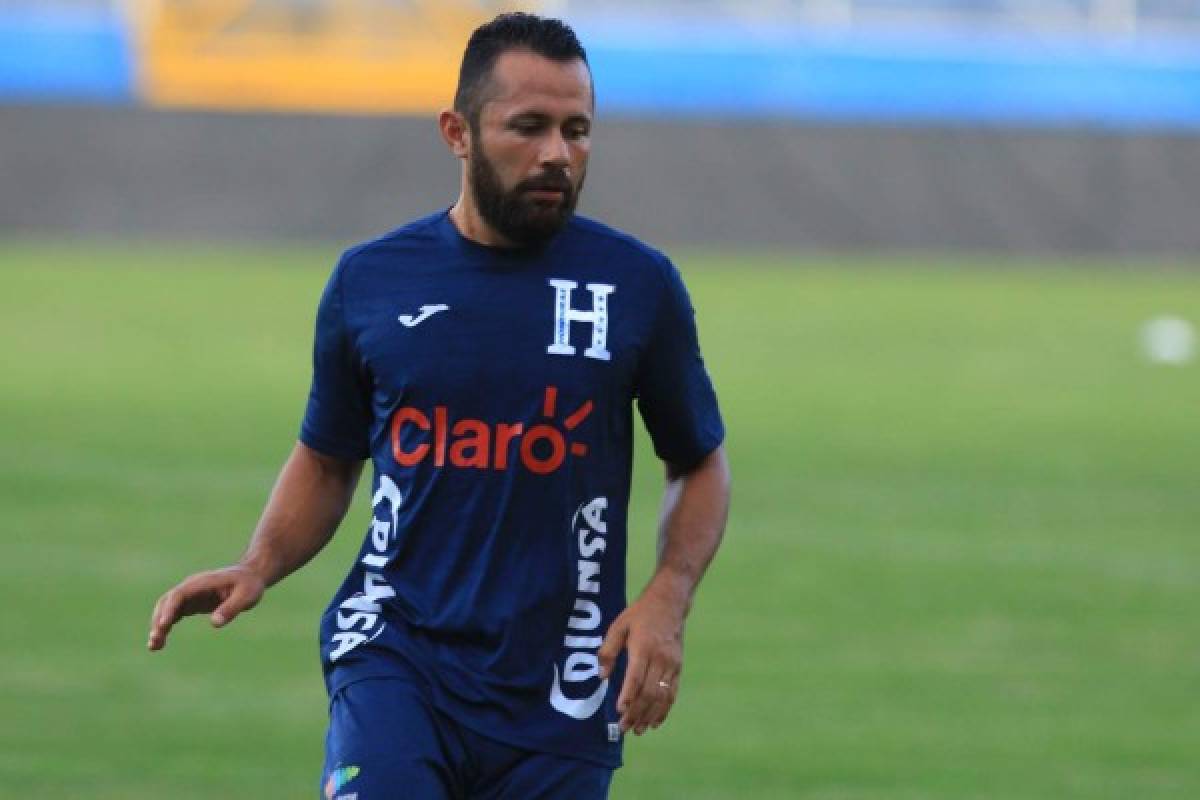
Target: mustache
[(547, 181)]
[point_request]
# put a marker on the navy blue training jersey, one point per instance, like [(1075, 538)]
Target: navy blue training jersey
[(493, 390)]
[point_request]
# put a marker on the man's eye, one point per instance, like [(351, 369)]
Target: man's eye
[(577, 133)]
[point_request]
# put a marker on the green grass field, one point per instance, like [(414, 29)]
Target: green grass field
[(964, 558)]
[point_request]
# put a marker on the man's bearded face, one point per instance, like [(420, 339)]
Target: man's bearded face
[(530, 213)]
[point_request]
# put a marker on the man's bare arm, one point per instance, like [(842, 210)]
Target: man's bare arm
[(306, 506), (695, 507)]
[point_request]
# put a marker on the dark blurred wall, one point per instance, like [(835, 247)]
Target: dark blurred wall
[(125, 171)]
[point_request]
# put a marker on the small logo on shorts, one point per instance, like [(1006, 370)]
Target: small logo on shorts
[(339, 778), (614, 732)]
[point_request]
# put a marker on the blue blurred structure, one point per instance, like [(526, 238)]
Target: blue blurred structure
[(1101, 63), (1105, 63), (65, 52), (993, 78)]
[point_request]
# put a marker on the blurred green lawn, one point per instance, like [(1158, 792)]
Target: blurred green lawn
[(964, 560)]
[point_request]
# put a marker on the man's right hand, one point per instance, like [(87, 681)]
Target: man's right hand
[(223, 593)]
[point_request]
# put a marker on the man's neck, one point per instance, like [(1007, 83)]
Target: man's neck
[(471, 225)]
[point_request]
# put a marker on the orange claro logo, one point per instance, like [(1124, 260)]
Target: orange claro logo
[(477, 444)]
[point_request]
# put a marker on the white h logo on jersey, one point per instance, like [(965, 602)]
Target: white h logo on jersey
[(565, 314)]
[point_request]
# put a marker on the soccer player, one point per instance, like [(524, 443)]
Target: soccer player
[(486, 359)]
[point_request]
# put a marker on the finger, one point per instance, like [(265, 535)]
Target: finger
[(153, 640), (193, 595), (655, 710), (658, 715), (614, 641), (643, 706), (166, 612), (158, 604), (241, 597), (631, 687)]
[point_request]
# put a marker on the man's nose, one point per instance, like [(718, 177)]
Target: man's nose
[(555, 151)]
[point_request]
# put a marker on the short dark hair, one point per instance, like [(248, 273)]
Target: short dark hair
[(549, 38)]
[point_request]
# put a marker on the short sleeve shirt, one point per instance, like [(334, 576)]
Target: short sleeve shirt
[(493, 391)]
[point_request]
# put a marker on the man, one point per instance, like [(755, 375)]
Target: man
[(486, 359)]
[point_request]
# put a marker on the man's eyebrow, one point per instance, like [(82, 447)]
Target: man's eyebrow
[(528, 115), (542, 116)]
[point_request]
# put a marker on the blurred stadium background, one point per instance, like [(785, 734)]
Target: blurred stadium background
[(944, 254)]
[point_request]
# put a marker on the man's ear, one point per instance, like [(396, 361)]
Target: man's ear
[(456, 133)]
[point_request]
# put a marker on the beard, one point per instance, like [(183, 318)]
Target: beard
[(513, 213)]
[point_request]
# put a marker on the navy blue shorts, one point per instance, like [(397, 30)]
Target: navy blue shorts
[(387, 742)]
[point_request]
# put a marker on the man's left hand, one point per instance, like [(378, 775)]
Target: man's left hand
[(651, 630)]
